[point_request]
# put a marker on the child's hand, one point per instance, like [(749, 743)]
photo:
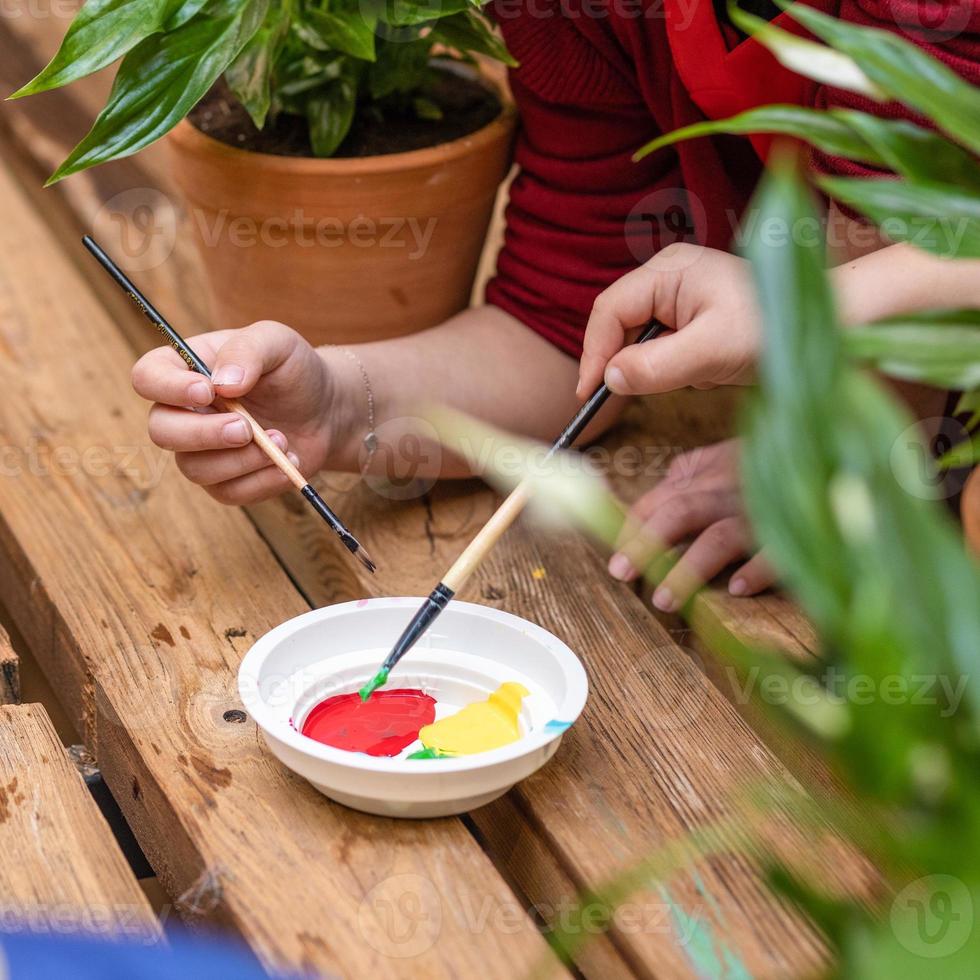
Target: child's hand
[(282, 381), (704, 296), (698, 500)]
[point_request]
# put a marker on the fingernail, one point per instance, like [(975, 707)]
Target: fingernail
[(620, 567), (236, 433), (200, 393), (279, 439), (293, 458), (229, 374), (615, 380), (664, 600), (738, 586)]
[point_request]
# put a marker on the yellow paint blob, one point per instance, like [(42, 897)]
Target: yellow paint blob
[(481, 726)]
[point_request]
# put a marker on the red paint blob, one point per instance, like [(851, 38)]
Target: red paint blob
[(386, 723)]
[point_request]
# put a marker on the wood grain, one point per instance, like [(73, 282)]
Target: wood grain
[(9, 671), (139, 596), (63, 870)]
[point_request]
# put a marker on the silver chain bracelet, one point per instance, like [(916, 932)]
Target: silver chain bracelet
[(370, 441)]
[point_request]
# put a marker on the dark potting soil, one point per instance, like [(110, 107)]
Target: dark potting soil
[(466, 106)]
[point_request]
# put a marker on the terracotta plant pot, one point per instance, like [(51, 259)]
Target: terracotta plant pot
[(970, 509), (344, 250)]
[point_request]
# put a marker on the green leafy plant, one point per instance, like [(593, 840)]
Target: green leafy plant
[(930, 196), (324, 60), (840, 499)]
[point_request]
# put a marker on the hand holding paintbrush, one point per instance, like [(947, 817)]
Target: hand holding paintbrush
[(259, 435), (489, 535)]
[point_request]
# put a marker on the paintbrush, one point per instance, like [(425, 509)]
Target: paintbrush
[(489, 535), (261, 437)]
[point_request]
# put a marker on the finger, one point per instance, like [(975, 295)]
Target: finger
[(630, 302), (672, 361), (252, 488), (207, 469), (715, 549), (179, 430), (680, 517), (248, 354), (755, 576), (162, 376)]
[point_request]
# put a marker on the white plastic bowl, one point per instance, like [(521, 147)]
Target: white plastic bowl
[(468, 653)]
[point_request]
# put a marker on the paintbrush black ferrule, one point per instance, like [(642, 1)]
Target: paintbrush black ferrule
[(597, 399), (439, 598), (320, 506)]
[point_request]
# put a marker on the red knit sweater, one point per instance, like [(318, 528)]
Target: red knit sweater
[(597, 79)]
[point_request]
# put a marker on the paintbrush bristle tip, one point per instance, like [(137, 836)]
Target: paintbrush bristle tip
[(365, 559)]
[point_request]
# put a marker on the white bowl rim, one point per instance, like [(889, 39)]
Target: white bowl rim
[(568, 712)]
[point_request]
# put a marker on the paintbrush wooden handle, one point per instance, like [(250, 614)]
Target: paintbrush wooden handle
[(271, 450), (489, 535)]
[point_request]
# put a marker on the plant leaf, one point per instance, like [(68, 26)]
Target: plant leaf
[(904, 71), (967, 453), (411, 13), (913, 151), (471, 32), (938, 218), (249, 76), (401, 67), (162, 79), (928, 350), (330, 114), (822, 128), (841, 498), (351, 34), (102, 32), (969, 403), (893, 144), (806, 57)]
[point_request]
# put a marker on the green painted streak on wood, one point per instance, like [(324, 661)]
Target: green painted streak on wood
[(709, 958)]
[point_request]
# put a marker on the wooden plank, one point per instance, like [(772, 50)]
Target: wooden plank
[(62, 870), (9, 671), (139, 596)]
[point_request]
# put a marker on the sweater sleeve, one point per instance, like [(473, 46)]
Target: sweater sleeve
[(946, 29), (567, 231)]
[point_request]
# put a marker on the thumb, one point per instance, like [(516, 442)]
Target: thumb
[(666, 363), (249, 354), (648, 291)]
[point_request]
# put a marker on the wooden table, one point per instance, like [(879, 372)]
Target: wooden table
[(139, 596)]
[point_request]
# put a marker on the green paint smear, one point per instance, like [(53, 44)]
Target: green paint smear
[(700, 946), (372, 685), (430, 754)]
